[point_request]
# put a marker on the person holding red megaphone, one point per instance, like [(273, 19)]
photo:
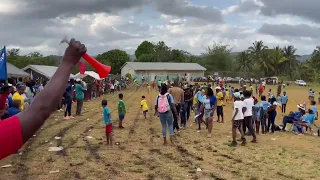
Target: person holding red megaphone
[(17, 130), (101, 69)]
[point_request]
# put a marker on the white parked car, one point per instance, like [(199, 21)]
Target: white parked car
[(301, 83)]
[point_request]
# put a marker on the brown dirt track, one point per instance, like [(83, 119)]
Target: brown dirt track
[(141, 155)]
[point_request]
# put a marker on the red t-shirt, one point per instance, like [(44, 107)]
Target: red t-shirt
[(261, 89), (10, 136), (3, 99)]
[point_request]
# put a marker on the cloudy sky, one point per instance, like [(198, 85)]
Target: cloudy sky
[(192, 25)]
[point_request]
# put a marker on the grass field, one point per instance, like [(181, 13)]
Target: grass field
[(141, 155)]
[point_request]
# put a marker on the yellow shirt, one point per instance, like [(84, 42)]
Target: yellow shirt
[(144, 105), (227, 93), (194, 99), (220, 99), (17, 97)]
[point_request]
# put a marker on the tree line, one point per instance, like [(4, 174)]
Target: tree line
[(256, 61)]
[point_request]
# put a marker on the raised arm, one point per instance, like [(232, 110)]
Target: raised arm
[(47, 100)]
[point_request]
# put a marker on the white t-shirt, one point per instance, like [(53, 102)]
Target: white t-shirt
[(248, 104), (112, 86), (238, 105)]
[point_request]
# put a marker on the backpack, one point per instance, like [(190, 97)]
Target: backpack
[(163, 103)]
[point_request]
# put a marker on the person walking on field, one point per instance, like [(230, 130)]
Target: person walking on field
[(166, 110), (79, 97), (178, 96)]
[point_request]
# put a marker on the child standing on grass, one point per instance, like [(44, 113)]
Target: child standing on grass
[(107, 121), (121, 110), (144, 106), (284, 101)]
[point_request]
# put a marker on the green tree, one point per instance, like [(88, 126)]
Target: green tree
[(178, 55), (244, 62), (218, 58), (13, 52), (145, 47), (115, 58), (147, 58), (291, 63)]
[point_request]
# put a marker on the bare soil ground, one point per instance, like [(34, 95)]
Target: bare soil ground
[(139, 153)]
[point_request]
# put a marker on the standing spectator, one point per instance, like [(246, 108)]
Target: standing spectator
[(79, 96), (284, 101), (220, 98), (248, 113), (68, 99), (17, 96), (178, 97)]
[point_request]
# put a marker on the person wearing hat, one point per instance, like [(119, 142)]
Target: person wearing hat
[(237, 119), (79, 96), (219, 104), (295, 118)]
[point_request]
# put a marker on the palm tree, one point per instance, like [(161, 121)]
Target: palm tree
[(289, 53), (277, 59), (244, 62), (258, 55)]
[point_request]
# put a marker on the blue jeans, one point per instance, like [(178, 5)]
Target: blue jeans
[(183, 114), (166, 119)]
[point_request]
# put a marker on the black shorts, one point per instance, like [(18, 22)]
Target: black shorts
[(219, 110)]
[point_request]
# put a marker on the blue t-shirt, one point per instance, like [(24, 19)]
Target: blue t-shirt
[(314, 109), (309, 118), (13, 111), (279, 100), (106, 113), (311, 93), (284, 99), (297, 115), (170, 99), (209, 103), (265, 105), (10, 101)]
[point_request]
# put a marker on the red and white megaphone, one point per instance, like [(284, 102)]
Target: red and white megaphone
[(102, 70)]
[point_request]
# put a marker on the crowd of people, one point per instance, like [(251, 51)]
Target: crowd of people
[(24, 107), (177, 99)]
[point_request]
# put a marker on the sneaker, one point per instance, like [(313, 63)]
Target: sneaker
[(71, 117), (209, 135), (233, 144), (67, 117)]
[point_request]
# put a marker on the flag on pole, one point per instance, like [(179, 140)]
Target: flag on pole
[(82, 66), (3, 64)]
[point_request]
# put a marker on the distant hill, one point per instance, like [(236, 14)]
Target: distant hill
[(303, 58)]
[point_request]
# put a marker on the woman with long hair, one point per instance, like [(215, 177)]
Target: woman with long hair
[(165, 108), (210, 105)]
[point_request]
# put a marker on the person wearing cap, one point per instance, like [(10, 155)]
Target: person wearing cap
[(79, 96), (220, 98), (237, 119)]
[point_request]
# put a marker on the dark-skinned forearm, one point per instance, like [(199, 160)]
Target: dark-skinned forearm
[(33, 117)]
